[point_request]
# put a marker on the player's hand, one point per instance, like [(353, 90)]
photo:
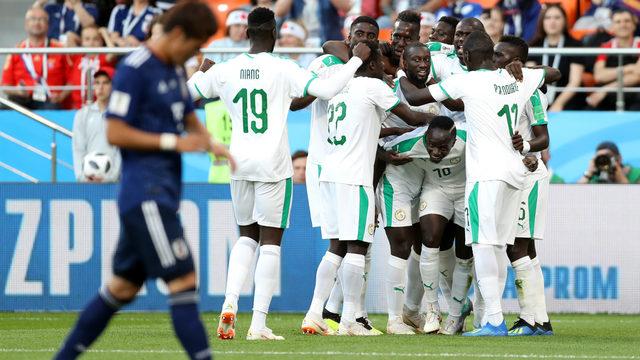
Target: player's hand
[(514, 69), (94, 179), (518, 142), (531, 162), (399, 131), (206, 65), (193, 142), (362, 51), (220, 150), (388, 79)]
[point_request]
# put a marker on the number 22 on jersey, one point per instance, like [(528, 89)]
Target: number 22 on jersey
[(255, 99), (336, 113)]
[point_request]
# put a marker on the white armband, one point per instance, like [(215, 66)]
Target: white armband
[(525, 147), (168, 141)]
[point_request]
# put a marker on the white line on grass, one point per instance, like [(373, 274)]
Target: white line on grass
[(340, 353)]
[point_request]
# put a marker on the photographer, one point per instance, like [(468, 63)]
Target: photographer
[(606, 167)]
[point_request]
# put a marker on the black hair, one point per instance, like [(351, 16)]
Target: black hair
[(441, 122), (193, 17), (365, 19), (410, 47), (299, 154), (261, 21), (374, 56), (452, 21), (475, 23), (518, 43), (410, 16), (479, 45), (609, 145)]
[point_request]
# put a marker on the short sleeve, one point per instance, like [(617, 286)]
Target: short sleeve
[(533, 79), (382, 95), (539, 109), (126, 95), (205, 85), (115, 23), (448, 89), (298, 78)]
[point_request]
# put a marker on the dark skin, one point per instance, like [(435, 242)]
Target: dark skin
[(443, 32), (504, 54)]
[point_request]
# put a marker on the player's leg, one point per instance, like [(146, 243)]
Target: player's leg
[(333, 308), (492, 208), (460, 306), (524, 282), (433, 226), (272, 210), (361, 309), (411, 314), (543, 324), (241, 256), (447, 262)]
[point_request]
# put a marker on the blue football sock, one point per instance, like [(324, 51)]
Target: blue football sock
[(92, 321), (187, 324)]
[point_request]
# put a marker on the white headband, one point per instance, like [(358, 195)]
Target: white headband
[(427, 19), (293, 29), (237, 17)]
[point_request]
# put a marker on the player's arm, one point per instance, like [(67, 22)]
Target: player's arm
[(551, 74), (326, 89), (414, 95), (337, 48), (202, 84), (538, 143), (393, 131), (411, 117), (301, 103)]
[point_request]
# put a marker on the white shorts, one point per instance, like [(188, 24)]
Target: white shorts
[(534, 200), (444, 201), (399, 194), (491, 212), (348, 211), (267, 203), (312, 174)]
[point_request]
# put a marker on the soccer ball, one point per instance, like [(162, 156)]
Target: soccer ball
[(96, 165)]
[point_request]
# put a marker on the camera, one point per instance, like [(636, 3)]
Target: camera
[(605, 164)]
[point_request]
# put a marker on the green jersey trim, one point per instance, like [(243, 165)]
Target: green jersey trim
[(538, 110), (444, 91), (287, 203), (544, 75), (331, 60), (200, 92), (474, 216), (532, 203), (362, 217), (394, 105), (387, 192), (406, 145), (306, 87)]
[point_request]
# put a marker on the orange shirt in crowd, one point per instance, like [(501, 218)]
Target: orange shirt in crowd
[(78, 66), (15, 71)]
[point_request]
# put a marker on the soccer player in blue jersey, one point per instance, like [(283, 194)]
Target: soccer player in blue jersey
[(149, 110)]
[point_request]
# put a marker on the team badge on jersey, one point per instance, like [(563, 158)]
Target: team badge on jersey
[(455, 160), (423, 205), (371, 229), (400, 215), (180, 249)]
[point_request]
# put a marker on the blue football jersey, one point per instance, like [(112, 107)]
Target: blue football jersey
[(151, 96)]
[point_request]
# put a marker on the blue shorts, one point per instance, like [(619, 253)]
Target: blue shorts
[(151, 245)]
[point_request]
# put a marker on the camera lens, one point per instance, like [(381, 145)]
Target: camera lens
[(602, 161)]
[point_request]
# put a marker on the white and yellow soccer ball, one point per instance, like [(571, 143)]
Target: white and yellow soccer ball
[(96, 165)]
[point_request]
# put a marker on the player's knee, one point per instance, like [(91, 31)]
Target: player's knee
[(464, 252), (182, 283), (357, 247), (517, 251), (401, 248), (122, 290), (338, 247)]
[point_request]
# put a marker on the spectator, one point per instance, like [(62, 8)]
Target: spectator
[(37, 71), (67, 18), (605, 70), (293, 35), (236, 36), (299, 159), (321, 17), (129, 24), (89, 130), (521, 17), (427, 21), (606, 167), (308, 17), (552, 32), (460, 9), (493, 21), (554, 178), (598, 16), (84, 66)]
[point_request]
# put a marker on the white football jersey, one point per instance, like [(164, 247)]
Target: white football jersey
[(354, 121), (443, 66), (449, 172), (395, 121), (257, 89), (534, 114), (323, 66), (493, 103)]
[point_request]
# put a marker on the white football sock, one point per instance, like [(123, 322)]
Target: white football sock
[(503, 267), (487, 269), (415, 289), (446, 268), (478, 301), (352, 282), (429, 260), (240, 261), (541, 315), (461, 283), (334, 304), (325, 278), (395, 284), (361, 307), (525, 287), (267, 270)]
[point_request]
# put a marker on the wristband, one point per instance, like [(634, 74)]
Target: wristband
[(168, 141), (525, 147)]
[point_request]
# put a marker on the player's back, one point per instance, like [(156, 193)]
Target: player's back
[(151, 96), (354, 122), (493, 103), (258, 89)]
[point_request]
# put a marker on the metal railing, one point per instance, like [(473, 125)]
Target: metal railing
[(53, 157)]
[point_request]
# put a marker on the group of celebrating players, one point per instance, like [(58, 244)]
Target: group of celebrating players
[(447, 154), (442, 139)]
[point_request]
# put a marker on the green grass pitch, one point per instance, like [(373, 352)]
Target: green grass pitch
[(150, 336)]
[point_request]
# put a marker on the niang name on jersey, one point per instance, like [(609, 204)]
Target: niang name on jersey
[(505, 89), (250, 74)]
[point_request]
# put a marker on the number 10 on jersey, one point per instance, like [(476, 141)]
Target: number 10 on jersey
[(253, 99)]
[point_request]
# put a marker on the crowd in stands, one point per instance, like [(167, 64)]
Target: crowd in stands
[(308, 23)]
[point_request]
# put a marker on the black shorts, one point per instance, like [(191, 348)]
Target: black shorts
[(151, 245)]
